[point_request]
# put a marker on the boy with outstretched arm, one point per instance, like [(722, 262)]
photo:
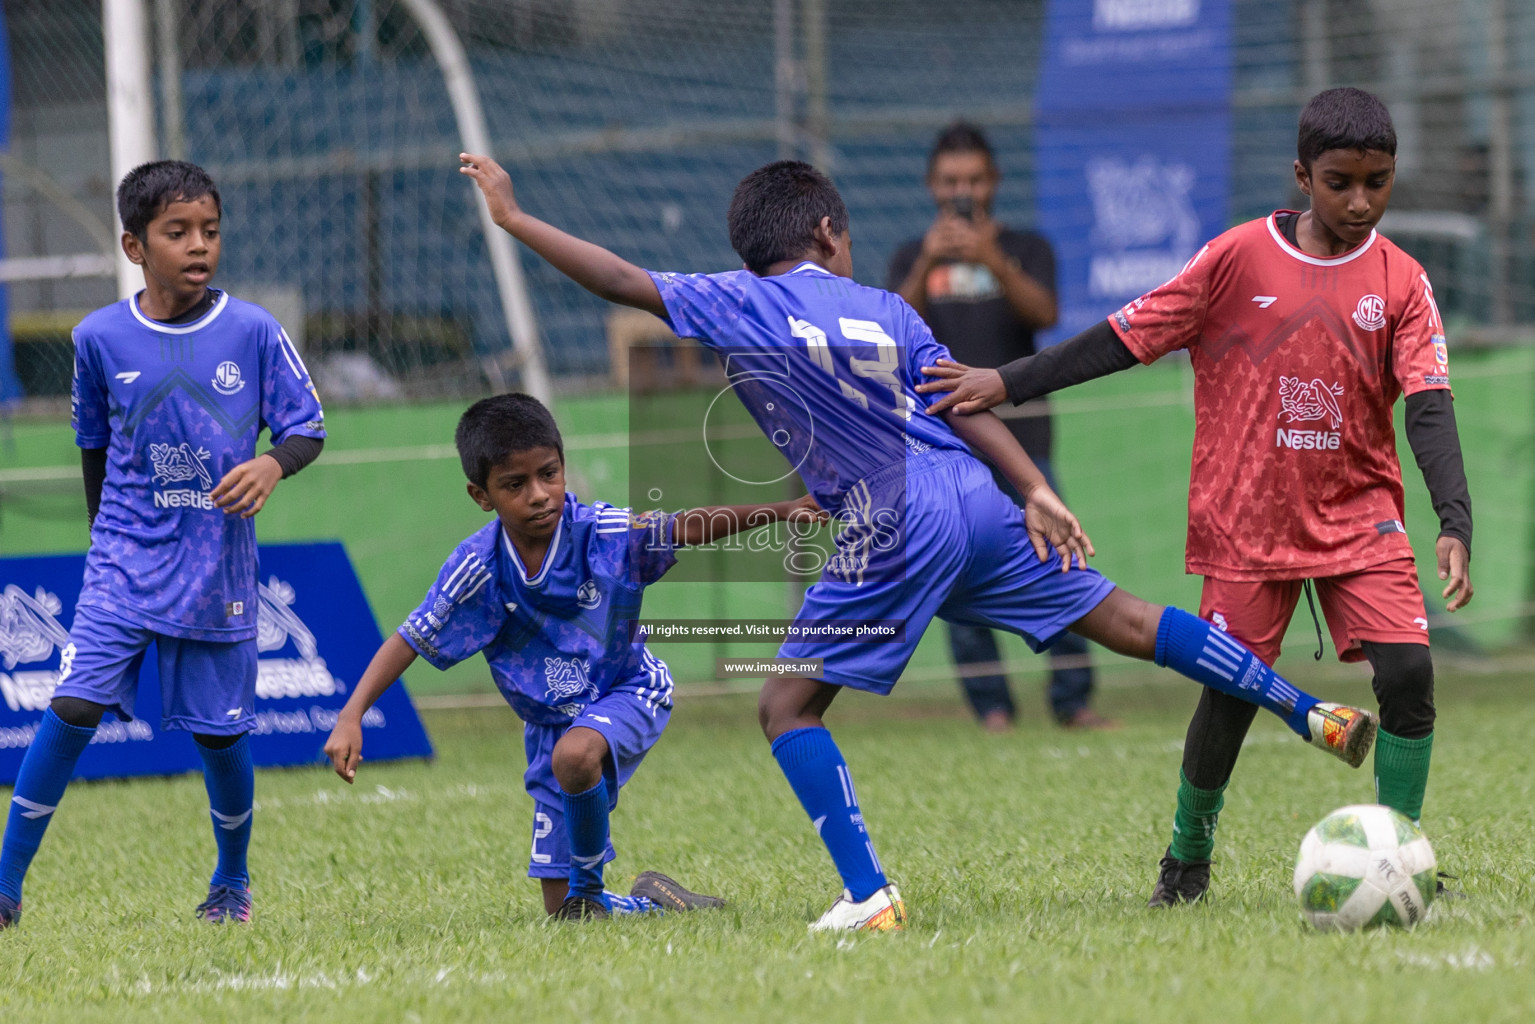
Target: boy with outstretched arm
[(827, 368), (549, 591), (1303, 328), (172, 387)]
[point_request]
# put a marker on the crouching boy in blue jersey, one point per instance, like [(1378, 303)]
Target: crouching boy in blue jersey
[(549, 590), (171, 389)]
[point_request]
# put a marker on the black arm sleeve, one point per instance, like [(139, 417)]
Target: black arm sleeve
[(1436, 445), (296, 452), (1096, 352), (93, 466)]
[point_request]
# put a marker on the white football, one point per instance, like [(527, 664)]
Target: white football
[(1363, 866)]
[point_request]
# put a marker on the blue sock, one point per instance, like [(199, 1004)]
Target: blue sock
[(231, 781), (45, 771), (586, 821), (1191, 646), (819, 777)]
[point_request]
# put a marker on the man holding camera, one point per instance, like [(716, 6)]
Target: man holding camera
[(984, 290)]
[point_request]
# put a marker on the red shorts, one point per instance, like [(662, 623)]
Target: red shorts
[(1382, 603)]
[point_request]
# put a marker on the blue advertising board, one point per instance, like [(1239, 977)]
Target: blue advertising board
[(315, 636), (1133, 145)]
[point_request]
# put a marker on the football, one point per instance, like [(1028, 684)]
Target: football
[(1365, 866)]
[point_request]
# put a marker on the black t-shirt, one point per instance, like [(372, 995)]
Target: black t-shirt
[(968, 313)]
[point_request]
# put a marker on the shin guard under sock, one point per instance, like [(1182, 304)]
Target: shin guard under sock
[(229, 775), (1192, 647), (819, 777), (45, 771), (1194, 823), (1401, 772), (586, 822)]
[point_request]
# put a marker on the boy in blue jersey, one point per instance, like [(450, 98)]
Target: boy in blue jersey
[(549, 591), (925, 529), (171, 389)]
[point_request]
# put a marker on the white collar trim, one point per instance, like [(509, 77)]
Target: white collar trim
[(816, 267), (196, 325), (1316, 261), (543, 570)]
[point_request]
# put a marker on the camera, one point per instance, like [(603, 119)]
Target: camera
[(963, 206)]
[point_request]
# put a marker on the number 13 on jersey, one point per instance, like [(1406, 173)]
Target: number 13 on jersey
[(882, 370)]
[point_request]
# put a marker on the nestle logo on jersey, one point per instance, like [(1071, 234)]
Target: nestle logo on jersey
[(184, 499), (1309, 440), (1300, 402), (181, 463)]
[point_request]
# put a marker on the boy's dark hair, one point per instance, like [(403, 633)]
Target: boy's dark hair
[(775, 210), (1345, 118), (960, 137), (149, 188), (494, 428)]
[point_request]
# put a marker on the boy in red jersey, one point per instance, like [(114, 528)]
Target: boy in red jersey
[(1303, 329)]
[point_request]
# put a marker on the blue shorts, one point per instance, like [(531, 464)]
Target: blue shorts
[(205, 687), (631, 723), (942, 540)]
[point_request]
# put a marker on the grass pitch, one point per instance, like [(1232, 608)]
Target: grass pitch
[(1025, 861)]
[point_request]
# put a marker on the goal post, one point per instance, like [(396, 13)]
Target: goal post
[(513, 290), (130, 106)]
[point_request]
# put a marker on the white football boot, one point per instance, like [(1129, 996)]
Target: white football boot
[(882, 912)]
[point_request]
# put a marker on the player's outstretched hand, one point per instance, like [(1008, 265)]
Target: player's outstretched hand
[(1455, 567), (1049, 521), (344, 748), (245, 489), (494, 182), (972, 389)]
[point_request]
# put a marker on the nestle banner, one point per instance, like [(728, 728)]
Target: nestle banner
[(1133, 145), (315, 635)]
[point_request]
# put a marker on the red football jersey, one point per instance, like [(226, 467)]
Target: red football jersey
[(1297, 362)]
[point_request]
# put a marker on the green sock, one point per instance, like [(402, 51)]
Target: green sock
[(1401, 772), (1194, 824)]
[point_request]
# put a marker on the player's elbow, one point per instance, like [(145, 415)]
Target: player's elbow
[(627, 285)]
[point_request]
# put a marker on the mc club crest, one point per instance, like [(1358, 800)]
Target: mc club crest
[(1370, 314)]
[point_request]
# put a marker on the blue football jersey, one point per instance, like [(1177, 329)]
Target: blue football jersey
[(177, 407), (560, 637), (827, 367)]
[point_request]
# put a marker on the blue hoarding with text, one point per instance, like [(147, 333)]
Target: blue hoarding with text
[(1133, 145), (315, 636)]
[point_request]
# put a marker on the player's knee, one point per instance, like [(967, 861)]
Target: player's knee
[(78, 712), (577, 759), (777, 709), (793, 702), (1404, 685)]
